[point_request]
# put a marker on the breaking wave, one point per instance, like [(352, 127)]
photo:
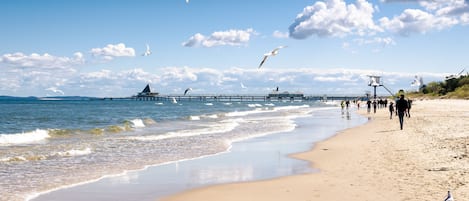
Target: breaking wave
[(35, 136)]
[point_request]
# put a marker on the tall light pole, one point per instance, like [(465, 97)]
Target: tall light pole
[(375, 81)]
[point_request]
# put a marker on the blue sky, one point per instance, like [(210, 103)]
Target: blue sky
[(94, 48)]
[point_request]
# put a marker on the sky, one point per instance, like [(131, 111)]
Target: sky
[(94, 48)]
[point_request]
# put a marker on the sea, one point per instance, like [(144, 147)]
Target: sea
[(54, 143)]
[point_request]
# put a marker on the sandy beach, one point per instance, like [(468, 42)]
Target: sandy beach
[(375, 161)]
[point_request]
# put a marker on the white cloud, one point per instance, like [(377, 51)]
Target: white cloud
[(41, 61), (109, 83), (436, 15), (416, 21), (279, 34), (111, 51), (231, 37), (335, 18), (386, 41)]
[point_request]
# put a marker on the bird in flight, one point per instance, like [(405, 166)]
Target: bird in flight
[(187, 90), (242, 86), (271, 53), (147, 52)]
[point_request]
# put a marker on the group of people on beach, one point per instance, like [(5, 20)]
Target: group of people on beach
[(401, 107)]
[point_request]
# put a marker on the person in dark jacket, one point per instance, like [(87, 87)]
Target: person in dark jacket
[(391, 109), (401, 106)]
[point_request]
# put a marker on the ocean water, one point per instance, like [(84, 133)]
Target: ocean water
[(49, 144)]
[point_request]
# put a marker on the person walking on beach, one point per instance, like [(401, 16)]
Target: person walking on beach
[(375, 104), (402, 106), (368, 105), (409, 102), (391, 109)]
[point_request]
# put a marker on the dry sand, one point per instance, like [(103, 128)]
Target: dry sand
[(375, 161)]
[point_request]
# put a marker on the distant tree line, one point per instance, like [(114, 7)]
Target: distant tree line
[(456, 87)]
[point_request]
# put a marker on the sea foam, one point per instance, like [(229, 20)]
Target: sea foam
[(137, 123), (24, 138), (75, 152)]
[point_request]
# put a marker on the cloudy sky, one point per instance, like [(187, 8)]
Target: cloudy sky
[(94, 48)]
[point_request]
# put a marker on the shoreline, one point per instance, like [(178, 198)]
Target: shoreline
[(258, 158), (375, 161)]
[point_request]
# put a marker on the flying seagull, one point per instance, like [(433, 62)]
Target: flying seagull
[(455, 76), (147, 52), (187, 90), (271, 53), (449, 197), (416, 81), (242, 86)]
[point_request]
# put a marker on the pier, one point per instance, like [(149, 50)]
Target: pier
[(148, 95), (237, 98)]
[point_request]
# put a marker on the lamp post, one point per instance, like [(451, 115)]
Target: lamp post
[(375, 81)]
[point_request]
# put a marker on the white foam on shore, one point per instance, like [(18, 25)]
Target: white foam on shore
[(255, 105), (219, 127), (212, 116), (35, 136), (35, 157), (194, 118), (137, 123), (245, 113), (75, 152)]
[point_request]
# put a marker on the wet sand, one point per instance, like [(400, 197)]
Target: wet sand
[(375, 161)]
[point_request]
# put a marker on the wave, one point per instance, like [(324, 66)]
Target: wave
[(211, 116), (208, 116), (149, 121), (248, 112), (332, 103), (209, 104), (219, 127), (35, 136), (28, 157), (23, 158), (290, 107), (137, 123), (254, 105), (74, 152), (194, 118)]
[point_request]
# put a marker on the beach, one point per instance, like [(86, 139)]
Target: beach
[(374, 161)]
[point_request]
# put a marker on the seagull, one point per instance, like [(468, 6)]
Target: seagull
[(449, 197), (416, 81), (187, 90), (271, 53), (242, 86), (147, 52)]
